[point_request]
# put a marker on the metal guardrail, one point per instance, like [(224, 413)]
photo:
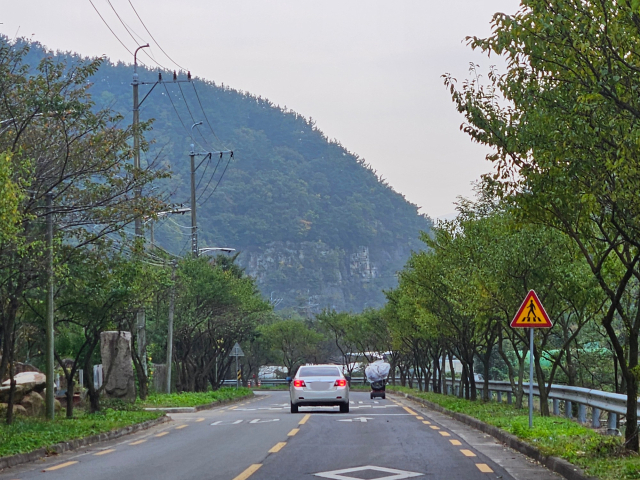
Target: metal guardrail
[(612, 403)]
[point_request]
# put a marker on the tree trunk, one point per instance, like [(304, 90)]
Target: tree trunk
[(94, 395), (443, 373), (453, 374), (12, 388), (631, 430), (69, 394)]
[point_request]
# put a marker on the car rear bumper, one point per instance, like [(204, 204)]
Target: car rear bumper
[(302, 397)]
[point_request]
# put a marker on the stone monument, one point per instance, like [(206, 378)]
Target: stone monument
[(117, 365)]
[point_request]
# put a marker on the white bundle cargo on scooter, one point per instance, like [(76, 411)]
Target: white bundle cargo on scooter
[(377, 373)]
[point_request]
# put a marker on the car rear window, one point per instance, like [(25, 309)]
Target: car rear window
[(319, 372)]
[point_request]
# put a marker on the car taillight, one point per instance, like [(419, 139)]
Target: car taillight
[(299, 383), (340, 383)]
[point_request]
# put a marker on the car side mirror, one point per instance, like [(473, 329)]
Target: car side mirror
[(289, 379), (348, 378)]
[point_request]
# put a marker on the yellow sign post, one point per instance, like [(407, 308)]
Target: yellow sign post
[(531, 315)]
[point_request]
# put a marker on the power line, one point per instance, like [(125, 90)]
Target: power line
[(184, 99), (193, 84), (131, 35), (176, 110), (111, 30), (208, 158), (153, 38), (220, 179), (211, 178)]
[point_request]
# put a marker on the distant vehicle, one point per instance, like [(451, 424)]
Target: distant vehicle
[(319, 385)]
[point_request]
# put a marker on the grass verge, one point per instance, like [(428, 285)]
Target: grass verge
[(28, 434), (600, 456), (193, 399)]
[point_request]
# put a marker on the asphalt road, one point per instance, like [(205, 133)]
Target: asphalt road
[(259, 439)]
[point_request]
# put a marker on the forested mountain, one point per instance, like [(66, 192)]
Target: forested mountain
[(313, 221)]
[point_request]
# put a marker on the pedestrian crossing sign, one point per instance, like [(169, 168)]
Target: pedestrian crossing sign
[(531, 314)]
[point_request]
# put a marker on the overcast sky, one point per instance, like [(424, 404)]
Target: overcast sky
[(367, 71)]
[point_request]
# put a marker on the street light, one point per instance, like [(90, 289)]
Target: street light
[(216, 249)]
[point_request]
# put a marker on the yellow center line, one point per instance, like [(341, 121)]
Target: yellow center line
[(410, 411), (248, 472), (304, 419), (138, 442), (426, 422), (162, 434), (467, 453), (62, 465), (233, 408), (455, 442), (419, 418), (277, 447), (484, 468), (104, 452), (181, 426), (200, 419), (445, 434), (435, 428), (293, 432)]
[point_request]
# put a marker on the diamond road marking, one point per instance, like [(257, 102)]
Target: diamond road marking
[(393, 473)]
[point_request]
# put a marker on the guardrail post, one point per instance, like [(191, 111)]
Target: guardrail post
[(510, 398), (595, 417), (567, 409), (499, 397), (612, 421), (582, 413), (556, 406)]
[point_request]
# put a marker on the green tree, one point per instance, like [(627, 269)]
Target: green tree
[(564, 124), (295, 342)]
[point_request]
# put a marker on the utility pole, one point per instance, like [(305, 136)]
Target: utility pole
[(192, 157), (172, 300), (50, 356), (194, 224), (140, 315)]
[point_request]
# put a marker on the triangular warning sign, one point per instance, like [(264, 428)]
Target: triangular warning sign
[(531, 314)]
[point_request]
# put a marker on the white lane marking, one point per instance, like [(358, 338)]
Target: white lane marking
[(393, 473), (357, 419), (222, 422), (257, 420)]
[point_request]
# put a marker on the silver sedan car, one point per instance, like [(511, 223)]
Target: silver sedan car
[(319, 385)]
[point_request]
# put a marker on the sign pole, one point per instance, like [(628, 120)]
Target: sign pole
[(531, 377)]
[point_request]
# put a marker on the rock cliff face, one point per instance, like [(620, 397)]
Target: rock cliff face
[(310, 276)]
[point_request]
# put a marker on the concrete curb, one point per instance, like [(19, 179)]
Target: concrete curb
[(555, 464), (13, 460), (197, 408)]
